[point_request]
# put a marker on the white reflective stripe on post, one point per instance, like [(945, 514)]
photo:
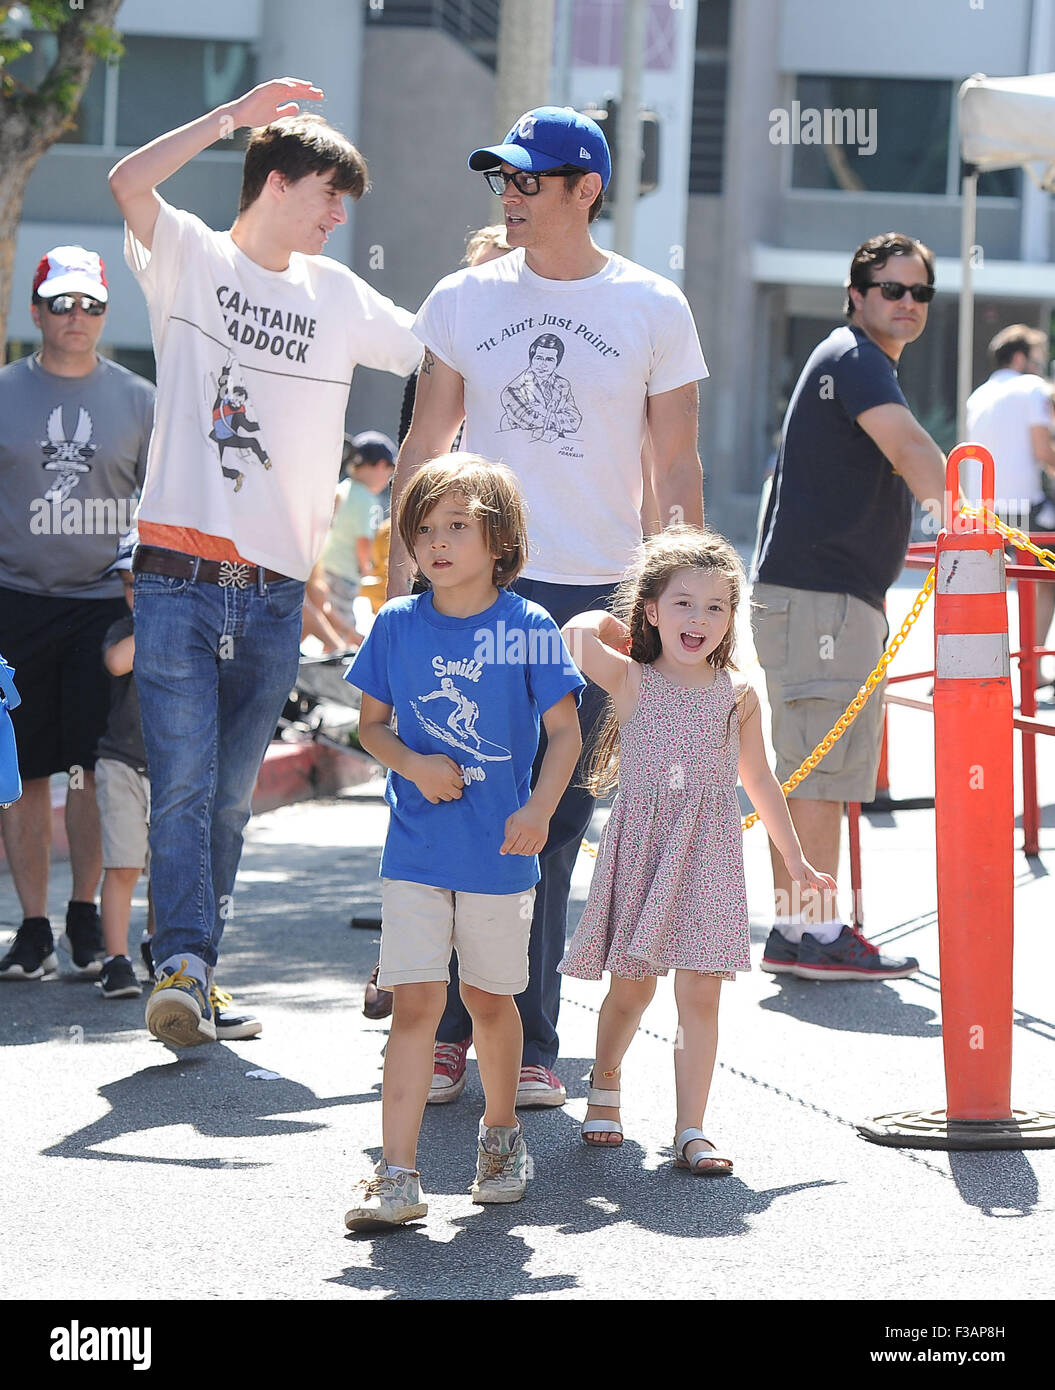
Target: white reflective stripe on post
[(973, 656), (971, 572)]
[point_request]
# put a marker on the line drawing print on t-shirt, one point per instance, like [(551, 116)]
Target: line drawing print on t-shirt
[(229, 418), (67, 457), (460, 731), (538, 399)]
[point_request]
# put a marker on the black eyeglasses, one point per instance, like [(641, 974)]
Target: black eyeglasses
[(894, 290), (524, 182), (66, 303)]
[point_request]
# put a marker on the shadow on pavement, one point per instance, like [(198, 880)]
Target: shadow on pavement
[(855, 1006), (1000, 1184), (210, 1092), (574, 1190)]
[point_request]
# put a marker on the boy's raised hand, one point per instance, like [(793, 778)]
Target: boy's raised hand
[(271, 100), (437, 777)]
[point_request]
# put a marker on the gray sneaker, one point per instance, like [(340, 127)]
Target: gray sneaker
[(501, 1166), (383, 1201)]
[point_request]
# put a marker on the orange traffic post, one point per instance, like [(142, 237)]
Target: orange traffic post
[(974, 822)]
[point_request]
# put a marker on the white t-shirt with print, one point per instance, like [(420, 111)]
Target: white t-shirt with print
[(557, 373), (254, 367)]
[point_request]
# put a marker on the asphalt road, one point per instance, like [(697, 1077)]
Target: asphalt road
[(138, 1171)]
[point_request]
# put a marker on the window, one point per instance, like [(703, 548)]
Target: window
[(877, 134), (163, 83), (880, 135), (707, 150), (473, 22), (87, 128), (159, 84)]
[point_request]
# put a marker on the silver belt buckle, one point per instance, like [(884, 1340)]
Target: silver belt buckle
[(234, 575)]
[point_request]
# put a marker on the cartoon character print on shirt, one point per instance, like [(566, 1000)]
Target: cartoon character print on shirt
[(539, 399), (67, 457), (231, 426), (458, 728)]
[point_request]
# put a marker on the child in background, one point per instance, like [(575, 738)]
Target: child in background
[(668, 889), (122, 789), (469, 669)]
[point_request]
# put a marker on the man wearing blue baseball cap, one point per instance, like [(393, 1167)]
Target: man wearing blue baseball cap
[(612, 360)]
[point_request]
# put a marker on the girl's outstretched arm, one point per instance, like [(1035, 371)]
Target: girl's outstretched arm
[(597, 643), (757, 779)]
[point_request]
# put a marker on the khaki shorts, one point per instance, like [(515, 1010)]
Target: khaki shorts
[(123, 797), (421, 925), (817, 649)]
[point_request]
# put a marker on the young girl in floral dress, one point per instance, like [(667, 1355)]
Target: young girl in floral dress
[(668, 889)]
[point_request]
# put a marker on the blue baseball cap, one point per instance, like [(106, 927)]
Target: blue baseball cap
[(546, 138)]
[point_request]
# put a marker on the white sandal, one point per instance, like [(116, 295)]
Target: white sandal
[(696, 1163), (601, 1097)]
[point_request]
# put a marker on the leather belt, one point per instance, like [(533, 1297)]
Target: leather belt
[(152, 559)]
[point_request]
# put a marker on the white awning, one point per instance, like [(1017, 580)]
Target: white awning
[(1010, 121)]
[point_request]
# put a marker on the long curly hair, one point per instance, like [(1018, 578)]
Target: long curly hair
[(660, 557)]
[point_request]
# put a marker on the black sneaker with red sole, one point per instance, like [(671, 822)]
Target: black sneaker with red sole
[(849, 957)]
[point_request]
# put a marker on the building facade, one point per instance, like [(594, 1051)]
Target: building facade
[(790, 130)]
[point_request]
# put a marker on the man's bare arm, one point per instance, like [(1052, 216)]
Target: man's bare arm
[(910, 450), (677, 475), (134, 179), (439, 408)]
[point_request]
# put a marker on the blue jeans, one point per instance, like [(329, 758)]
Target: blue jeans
[(213, 669), (539, 1004)]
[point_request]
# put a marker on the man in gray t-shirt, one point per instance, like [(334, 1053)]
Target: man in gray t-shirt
[(74, 429)]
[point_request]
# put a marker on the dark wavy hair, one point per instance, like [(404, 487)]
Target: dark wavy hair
[(660, 558), (874, 253)]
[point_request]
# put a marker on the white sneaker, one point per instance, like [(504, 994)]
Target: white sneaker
[(501, 1169), (383, 1201), (539, 1086)]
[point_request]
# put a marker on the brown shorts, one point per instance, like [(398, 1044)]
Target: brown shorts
[(817, 649)]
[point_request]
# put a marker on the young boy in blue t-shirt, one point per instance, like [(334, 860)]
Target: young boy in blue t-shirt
[(469, 669)]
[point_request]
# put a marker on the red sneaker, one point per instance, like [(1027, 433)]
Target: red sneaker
[(539, 1086), (448, 1071)]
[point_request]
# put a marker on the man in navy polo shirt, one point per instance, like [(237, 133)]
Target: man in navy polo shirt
[(834, 537)]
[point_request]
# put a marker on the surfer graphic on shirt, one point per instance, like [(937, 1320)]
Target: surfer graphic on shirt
[(459, 728), (229, 419), (538, 399)]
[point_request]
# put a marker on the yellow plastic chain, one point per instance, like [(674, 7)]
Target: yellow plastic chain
[(1018, 538)]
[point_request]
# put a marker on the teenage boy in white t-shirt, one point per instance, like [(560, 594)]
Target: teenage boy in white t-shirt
[(563, 359), (256, 335)]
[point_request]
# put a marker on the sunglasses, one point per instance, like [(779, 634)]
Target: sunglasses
[(66, 303), (893, 290), (524, 182)]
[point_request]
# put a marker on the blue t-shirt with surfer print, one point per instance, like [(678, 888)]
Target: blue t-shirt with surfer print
[(473, 688)]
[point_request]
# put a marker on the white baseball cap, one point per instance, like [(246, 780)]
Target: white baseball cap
[(71, 270)]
